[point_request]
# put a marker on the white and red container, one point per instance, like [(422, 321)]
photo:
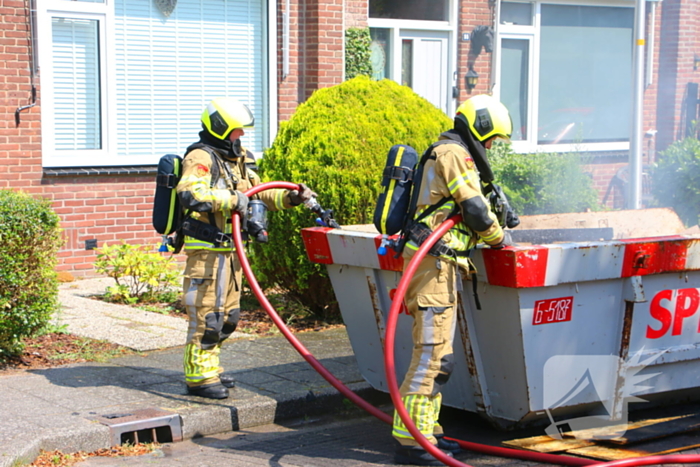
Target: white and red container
[(563, 330)]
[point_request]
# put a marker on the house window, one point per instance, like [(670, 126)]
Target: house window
[(122, 84), (565, 74), (77, 93), (413, 44), (427, 10), (74, 98)]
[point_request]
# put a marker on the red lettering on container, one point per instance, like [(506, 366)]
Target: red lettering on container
[(553, 310), (660, 313), (687, 302)]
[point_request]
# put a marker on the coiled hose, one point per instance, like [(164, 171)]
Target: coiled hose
[(390, 366)]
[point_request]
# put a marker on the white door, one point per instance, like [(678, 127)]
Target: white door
[(424, 65)]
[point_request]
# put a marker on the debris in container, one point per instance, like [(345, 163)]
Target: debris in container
[(634, 223)]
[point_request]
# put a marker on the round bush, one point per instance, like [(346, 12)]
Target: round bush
[(676, 179), (336, 143), (29, 242)]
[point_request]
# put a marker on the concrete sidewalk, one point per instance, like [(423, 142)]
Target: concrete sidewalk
[(79, 406)]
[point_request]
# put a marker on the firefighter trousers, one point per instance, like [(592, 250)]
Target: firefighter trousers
[(431, 298), (211, 295)]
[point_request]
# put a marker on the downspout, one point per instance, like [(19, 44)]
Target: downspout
[(494, 55), (32, 52), (285, 40), (652, 40), (635, 187)]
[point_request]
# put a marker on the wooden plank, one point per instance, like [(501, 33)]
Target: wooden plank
[(546, 444), (656, 447), (625, 429), (675, 425)]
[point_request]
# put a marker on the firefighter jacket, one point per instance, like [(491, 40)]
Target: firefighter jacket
[(207, 192), (452, 174)]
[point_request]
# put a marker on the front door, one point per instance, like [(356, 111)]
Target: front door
[(424, 65)]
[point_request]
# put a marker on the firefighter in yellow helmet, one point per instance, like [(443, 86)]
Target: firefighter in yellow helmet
[(214, 176), (452, 179)]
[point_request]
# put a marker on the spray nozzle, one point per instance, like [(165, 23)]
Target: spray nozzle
[(385, 244), (325, 216)]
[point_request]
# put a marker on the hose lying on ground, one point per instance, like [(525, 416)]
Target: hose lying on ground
[(390, 368)]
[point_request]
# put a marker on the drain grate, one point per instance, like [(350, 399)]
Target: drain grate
[(143, 426)]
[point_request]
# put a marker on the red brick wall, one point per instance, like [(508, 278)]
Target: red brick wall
[(324, 45), (680, 28), (356, 12), (472, 14), (107, 209), (114, 208), (20, 145), (289, 87)]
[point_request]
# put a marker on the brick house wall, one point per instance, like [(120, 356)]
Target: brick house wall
[(680, 42), (106, 208), (471, 15), (110, 205)]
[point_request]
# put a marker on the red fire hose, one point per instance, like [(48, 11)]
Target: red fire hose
[(390, 368)]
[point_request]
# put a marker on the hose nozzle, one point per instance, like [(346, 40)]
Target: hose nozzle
[(325, 216)]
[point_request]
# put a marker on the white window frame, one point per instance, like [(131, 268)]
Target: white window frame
[(104, 14), (395, 26), (507, 31)]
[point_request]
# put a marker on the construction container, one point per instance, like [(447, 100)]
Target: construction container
[(571, 333)]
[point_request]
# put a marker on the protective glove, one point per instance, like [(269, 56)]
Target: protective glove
[(242, 208), (296, 197), (507, 241)]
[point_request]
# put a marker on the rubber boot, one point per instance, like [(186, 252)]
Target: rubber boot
[(416, 455), (447, 445), (210, 391), (227, 381)]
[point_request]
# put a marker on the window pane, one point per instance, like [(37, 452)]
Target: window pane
[(167, 70), (585, 74), (429, 10), (380, 53), (515, 59), (516, 13), (407, 62), (76, 83)]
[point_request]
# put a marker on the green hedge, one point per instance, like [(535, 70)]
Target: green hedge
[(676, 179), (357, 52), (336, 143), (543, 183), (29, 242)]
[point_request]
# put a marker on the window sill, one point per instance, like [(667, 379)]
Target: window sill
[(58, 172)]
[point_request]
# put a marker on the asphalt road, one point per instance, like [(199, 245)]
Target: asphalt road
[(346, 439)]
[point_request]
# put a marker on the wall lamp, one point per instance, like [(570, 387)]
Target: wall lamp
[(471, 78), (696, 62)]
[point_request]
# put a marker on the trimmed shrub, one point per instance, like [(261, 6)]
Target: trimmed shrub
[(140, 273), (543, 183), (336, 142), (676, 179), (29, 241)]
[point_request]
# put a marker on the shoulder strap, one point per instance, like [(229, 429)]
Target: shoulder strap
[(418, 180), (217, 164)]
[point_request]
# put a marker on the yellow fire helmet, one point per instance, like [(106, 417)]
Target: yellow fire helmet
[(224, 114), (486, 117)]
